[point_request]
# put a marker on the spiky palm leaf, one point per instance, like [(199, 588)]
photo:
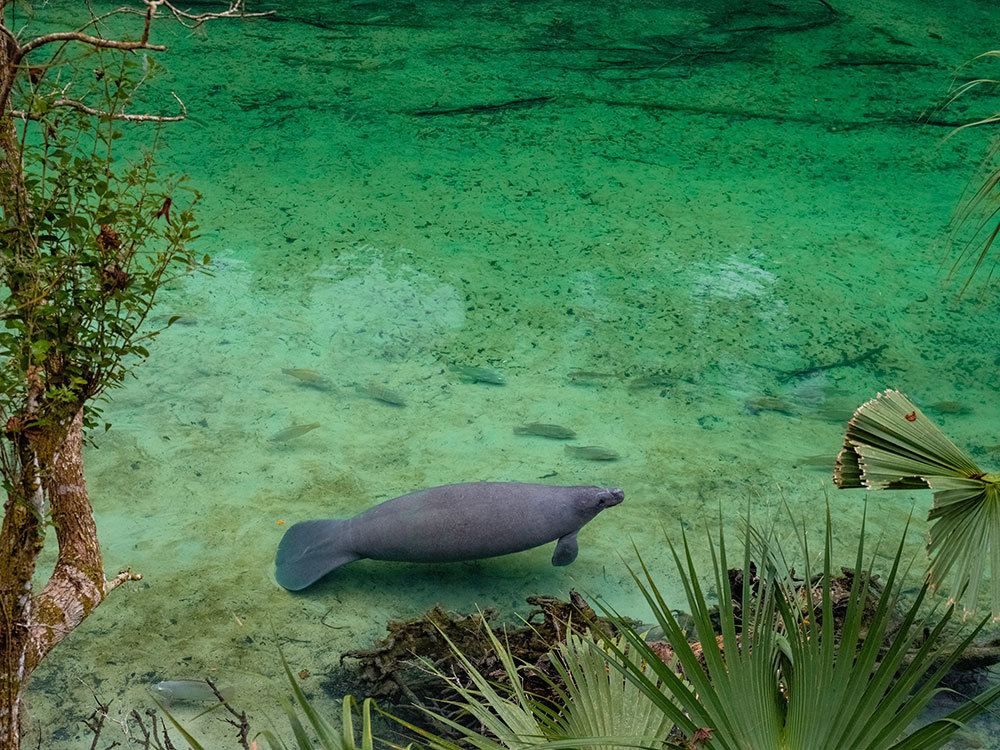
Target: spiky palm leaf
[(599, 702), (781, 678), (891, 444)]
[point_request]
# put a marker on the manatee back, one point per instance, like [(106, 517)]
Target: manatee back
[(467, 521)]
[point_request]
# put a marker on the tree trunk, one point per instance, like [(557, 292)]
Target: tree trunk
[(33, 625)]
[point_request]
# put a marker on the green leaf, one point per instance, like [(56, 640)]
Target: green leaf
[(39, 348)]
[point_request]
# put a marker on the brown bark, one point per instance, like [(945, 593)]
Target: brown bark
[(77, 584), (31, 626)]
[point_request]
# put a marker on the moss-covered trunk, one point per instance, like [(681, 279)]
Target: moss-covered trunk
[(32, 624)]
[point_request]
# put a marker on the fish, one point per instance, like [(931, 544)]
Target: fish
[(473, 374), (592, 453), (554, 431), (175, 320), (652, 380), (819, 462), (290, 433), (948, 407), (583, 376), (381, 393), (769, 403), (310, 378), (188, 691)]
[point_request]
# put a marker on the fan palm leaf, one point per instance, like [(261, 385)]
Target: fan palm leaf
[(596, 706), (891, 444)]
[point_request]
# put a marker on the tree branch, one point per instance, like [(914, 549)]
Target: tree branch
[(77, 584), (236, 9), (95, 41), (78, 105)]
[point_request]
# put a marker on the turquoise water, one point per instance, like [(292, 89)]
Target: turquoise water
[(692, 200)]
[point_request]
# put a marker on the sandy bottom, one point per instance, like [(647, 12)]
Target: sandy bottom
[(698, 205)]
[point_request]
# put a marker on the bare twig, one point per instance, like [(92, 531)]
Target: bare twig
[(74, 104), (236, 9), (240, 719)]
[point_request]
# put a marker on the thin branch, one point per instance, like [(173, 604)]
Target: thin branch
[(94, 41), (193, 20), (124, 576), (78, 105)]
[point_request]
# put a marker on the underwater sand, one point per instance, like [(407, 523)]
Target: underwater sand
[(698, 200)]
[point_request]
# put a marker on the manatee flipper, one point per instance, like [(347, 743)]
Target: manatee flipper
[(566, 550), (308, 551)]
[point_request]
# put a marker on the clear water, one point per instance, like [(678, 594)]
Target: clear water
[(711, 196)]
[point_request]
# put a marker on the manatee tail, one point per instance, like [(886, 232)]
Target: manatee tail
[(308, 551)]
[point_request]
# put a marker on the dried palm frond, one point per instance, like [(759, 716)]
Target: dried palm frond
[(890, 444)]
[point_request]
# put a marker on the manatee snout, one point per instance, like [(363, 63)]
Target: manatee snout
[(612, 497)]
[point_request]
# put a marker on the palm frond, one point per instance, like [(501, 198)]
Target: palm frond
[(977, 209), (789, 674), (891, 444)]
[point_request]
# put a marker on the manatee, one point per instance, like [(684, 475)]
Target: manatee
[(444, 524)]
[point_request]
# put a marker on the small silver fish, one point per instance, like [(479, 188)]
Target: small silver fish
[(188, 691), (290, 433), (308, 377), (554, 431), (822, 462), (592, 453), (381, 393), (473, 374), (589, 377)]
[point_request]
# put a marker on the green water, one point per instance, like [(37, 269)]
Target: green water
[(692, 199)]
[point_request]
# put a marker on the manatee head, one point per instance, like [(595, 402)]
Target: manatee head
[(592, 500)]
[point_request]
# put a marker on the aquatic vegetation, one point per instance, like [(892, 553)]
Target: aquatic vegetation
[(890, 444)]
